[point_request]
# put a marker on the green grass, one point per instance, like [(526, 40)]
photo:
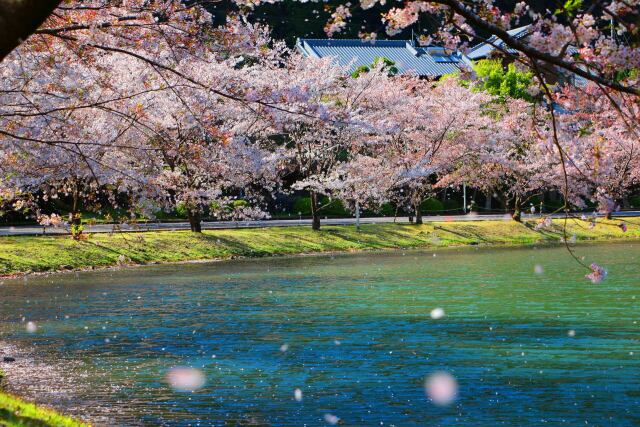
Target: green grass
[(49, 253), (15, 412)]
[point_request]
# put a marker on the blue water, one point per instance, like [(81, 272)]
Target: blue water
[(359, 337)]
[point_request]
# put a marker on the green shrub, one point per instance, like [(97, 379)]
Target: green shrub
[(76, 230), (432, 205), (387, 209), (387, 65), (302, 206), (452, 204), (181, 210), (334, 208)]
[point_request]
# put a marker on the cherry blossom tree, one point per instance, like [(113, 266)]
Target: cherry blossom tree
[(69, 63), (194, 159), (421, 130), (600, 135), (88, 163), (79, 123), (513, 161), (605, 33), (311, 128)]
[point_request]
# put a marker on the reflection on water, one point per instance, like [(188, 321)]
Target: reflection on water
[(298, 341)]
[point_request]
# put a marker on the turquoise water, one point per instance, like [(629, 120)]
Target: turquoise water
[(358, 336)]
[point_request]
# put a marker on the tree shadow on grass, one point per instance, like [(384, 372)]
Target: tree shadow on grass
[(135, 250), (549, 234), (102, 247), (234, 247), (465, 234), (380, 238)]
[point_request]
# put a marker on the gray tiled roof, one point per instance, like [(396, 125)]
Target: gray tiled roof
[(484, 50), (408, 58)]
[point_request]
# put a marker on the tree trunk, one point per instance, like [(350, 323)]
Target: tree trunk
[(315, 224), (194, 221), (19, 19), (487, 203), (517, 211), (418, 212), (76, 225), (76, 217), (357, 216)]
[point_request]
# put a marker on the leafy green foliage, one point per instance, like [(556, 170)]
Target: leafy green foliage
[(226, 210), (387, 65), (302, 206), (509, 83), (498, 81), (181, 210), (387, 209), (627, 74), (76, 230), (570, 7), (432, 205)]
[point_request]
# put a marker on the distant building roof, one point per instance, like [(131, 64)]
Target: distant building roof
[(486, 49), (408, 58)]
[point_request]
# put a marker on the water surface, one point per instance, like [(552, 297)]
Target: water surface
[(358, 336)]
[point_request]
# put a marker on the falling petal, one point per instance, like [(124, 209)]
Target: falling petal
[(297, 394), (31, 327), (441, 388), (185, 379), (437, 313), (331, 419)]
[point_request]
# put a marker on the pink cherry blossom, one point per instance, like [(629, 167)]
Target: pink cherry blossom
[(597, 274)]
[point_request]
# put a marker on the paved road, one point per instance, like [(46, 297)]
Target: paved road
[(212, 225)]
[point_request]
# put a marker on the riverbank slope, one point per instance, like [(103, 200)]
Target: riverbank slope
[(28, 254), (15, 412)]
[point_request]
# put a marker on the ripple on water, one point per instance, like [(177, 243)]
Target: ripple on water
[(292, 341)]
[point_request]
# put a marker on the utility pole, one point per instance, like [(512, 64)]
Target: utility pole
[(612, 30), (464, 197)]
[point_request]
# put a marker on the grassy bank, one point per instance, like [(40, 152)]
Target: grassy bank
[(15, 412), (39, 253)]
